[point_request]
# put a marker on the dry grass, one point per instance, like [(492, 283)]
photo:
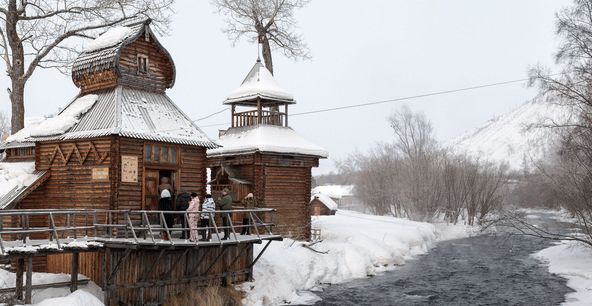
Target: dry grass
[(207, 296)]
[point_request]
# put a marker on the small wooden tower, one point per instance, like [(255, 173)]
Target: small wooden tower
[(261, 154)]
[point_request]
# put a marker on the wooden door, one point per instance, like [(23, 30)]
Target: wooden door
[(151, 189)]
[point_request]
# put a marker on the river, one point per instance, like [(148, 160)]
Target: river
[(494, 269)]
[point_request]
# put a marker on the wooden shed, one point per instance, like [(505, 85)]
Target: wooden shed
[(322, 205), (270, 159), (110, 147)]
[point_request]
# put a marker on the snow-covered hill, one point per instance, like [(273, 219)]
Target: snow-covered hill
[(517, 138)]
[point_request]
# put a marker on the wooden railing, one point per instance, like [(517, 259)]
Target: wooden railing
[(30, 231), (249, 118)]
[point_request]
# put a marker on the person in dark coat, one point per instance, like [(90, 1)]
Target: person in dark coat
[(182, 203), (250, 203), (166, 204), (225, 203)]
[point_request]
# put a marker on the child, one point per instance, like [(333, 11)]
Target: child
[(208, 206)]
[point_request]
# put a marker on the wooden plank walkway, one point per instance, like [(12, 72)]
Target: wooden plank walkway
[(25, 234)]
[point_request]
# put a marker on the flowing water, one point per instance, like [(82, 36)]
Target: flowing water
[(482, 270)]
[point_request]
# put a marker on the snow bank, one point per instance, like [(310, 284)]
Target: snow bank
[(110, 38), (572, 261), (77, 298), (265, 138), (59, 124), (358, 245), (16, 175)]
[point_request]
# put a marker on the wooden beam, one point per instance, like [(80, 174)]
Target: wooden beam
[(29, 285), (260, 253), (20, 266), (74, 272)]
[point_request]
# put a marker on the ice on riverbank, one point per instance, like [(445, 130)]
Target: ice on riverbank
[(356, 245), (572, 261)]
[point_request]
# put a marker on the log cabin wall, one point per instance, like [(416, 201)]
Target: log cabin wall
[(317, 208), (189, 168), (280, 181), (128, 195), (193, 174), (159, 69), (71, 184)]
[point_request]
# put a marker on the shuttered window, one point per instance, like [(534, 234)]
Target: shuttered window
[(155, 153)]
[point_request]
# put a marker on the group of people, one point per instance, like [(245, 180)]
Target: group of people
[(200, 213)]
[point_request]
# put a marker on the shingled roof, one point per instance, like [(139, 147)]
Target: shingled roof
[(103, 53)]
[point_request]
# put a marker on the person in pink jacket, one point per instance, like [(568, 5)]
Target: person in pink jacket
[(193, 216)]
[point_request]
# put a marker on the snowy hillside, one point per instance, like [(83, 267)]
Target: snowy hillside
[(515, 138)]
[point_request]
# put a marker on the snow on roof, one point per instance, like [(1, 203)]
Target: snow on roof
[(259, 83), (59, 124), (326, 200), (15, 176), (120, 111), (110, 38), (334, 191), (265, 138)]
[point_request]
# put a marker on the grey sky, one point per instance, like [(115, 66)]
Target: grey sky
[(362, 51)]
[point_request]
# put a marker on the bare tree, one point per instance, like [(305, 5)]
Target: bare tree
[(269, 22), (38, 33), (570, 174), (4, 126)]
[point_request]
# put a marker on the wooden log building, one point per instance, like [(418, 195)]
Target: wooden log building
[(261, 154), (109, 149)]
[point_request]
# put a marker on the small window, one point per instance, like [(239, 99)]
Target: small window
[(148, 152), (142, 64)]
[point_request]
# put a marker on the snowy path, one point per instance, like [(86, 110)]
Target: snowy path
[(482, 270)]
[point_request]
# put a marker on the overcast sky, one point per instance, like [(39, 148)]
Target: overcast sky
[(363, 51)]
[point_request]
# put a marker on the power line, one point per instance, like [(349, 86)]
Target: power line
[(410, 97), (210, 115), (437, 93)]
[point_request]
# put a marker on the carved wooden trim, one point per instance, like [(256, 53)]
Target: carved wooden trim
[(81, 154)]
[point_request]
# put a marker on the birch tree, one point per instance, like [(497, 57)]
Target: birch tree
[(41, 34), (271, 23)]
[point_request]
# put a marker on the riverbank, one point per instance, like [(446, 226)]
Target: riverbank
[(353, 245)]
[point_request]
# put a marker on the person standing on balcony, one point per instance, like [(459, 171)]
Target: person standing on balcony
[(225, 204), (165, 204), (182, 203), (250, 203), (193, 216), (207, 209)]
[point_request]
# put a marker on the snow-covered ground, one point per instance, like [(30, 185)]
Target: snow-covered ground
[(354, 245), (573, 261), (90, 294)]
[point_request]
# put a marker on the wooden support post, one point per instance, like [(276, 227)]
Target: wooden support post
[(106, 270), (286, 111), (29, 284), (232, 115), (74, 273), (20, 266), (258, 110)]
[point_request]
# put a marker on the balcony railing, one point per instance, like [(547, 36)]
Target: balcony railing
[(249, 118)]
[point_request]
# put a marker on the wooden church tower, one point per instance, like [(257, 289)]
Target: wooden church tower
[(261, 154)]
